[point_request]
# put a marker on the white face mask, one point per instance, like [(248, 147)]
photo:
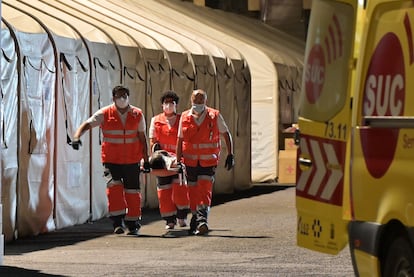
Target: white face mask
[(122, 102), (198, 108), (169, 108)]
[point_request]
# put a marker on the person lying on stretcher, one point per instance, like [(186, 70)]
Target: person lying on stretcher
[(163, 163)]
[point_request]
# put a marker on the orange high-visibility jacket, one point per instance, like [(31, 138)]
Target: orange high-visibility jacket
[(166, 136), (201, 143), (121, 144)]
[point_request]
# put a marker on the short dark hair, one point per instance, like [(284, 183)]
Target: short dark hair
[(120, 89), (157, 160), (169, 94)]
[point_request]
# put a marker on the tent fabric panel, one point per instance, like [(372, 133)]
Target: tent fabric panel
[(10, 137), (182, 80), (224, 101), (57, 27), (270, 40), (110, 17), (36, 187), (19, 20), (242, 131), (159, 81), (72, 167), (170, 18), (206, 75), (73, 17), (134, 75), (264, 119), (135, 13), (96, 22), (289, 84)]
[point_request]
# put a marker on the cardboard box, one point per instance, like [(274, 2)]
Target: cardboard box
[(290, 144), (287, 167), (199, 2)]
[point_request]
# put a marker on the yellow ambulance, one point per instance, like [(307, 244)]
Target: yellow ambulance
[(355, 177)]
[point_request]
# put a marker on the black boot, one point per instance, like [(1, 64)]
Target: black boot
[(133, 227), (118, 223), (170, 221), (202, 215), (182, 217), (202, 226), (193, 225)]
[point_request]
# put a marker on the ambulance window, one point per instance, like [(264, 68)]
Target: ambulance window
[(327, 59)]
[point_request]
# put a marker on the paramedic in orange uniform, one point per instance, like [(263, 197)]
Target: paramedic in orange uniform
[(124, 144), (198, 147), (172, 196)]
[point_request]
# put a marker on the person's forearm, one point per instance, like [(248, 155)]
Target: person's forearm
[(143, 139), (178, 151), (82, 128), (152, 142), (229, 143), (145, 153)]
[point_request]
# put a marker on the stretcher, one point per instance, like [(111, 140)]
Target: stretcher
[(164, 163)]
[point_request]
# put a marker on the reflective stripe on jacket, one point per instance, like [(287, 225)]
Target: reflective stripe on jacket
[(166, 136), (201, 144), (121, 144)]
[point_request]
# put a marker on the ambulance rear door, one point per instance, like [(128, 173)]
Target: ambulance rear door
[(322, 196)]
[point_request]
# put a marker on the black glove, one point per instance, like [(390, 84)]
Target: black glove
[(147, 167), (229, 162), (75, 144)]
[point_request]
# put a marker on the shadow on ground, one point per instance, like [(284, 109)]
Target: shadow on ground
[(13, 271), (87, 231), (254, 191)]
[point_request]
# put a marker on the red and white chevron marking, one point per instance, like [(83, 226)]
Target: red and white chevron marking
[(323, 181)]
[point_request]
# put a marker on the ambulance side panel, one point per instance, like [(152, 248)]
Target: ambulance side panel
[(382, 151)]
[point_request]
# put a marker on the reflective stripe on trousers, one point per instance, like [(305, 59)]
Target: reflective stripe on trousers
[(200, 193), (172, 197)]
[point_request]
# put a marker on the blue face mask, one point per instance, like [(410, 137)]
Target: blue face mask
[(198, 108)]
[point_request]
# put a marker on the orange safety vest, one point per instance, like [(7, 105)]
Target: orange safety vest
[(201, 144), (121, 144), (166, 136)]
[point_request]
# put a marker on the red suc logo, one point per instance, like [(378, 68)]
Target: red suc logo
[(315, 73), (384, 94)]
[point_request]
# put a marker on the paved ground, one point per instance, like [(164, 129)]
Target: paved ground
[(253, 234)]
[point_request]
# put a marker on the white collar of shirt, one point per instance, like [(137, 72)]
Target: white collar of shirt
[(201, 117)]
